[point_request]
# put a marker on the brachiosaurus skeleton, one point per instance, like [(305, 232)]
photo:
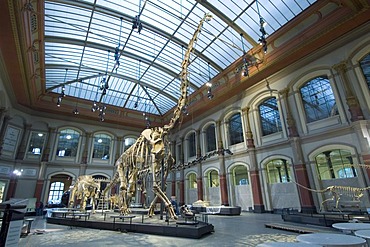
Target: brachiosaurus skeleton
[(152, 148)]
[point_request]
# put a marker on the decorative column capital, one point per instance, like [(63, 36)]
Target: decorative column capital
[(284, 92), (245, 110), (352, 102), (340, 67)]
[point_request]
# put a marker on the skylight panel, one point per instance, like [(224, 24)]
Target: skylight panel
[(163, 103), (229, 9), (66, 26), (165, 20), (129, 7)]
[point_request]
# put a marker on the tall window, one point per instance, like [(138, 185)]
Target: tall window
[(129, 141), (213, 179), (68, 143), (235, 129), (278, 171), (210, 138), (334, 164), (102, 143), (240, 174), (269, 116), (36, 143), (191, 145), (318, 99), (192, 181), (365, 66), (56, 192)]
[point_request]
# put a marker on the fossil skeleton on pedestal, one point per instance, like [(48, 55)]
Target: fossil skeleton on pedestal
[(150, 154), (86, 187)]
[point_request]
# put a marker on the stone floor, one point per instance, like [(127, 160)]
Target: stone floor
[(247, 229)]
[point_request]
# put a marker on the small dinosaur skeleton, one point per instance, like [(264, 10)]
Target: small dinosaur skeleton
[(337, 191), (85, 187)]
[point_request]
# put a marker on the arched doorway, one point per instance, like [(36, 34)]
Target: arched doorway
[(192, 192), (212, 187), (58, 193), (240, 187)]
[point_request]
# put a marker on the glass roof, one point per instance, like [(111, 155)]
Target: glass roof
[(91, 45)]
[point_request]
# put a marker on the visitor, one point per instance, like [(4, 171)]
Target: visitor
[(175, 205), (39, 208)]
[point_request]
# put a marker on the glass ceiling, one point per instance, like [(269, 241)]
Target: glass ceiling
[(93, 52)]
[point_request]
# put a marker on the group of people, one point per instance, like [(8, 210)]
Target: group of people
[(184, 211)]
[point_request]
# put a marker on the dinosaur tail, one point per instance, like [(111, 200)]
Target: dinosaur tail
[(306, 188)]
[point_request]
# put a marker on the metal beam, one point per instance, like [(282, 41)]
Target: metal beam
[(228, 21), (101, 72)]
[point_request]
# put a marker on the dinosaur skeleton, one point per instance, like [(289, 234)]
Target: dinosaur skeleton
[(85, 187), (337, 191), (203, 158), (150, 153)]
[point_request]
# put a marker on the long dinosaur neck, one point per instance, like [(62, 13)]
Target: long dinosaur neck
[(184, 76)]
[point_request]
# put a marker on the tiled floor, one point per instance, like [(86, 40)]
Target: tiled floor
[(248, 229)]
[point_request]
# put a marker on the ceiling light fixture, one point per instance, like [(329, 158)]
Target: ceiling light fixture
[(138, 86), (245, 61), (136, 23), (79, 88), (146, 117), (262, 39), (116, 51), (102, 112), (104, 82), (209, 84), (62, 94), (95, 106)]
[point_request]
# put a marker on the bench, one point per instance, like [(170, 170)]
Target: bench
[(122, 217), (79, 215)]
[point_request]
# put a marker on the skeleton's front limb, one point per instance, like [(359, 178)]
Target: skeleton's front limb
[(156, 188), (122, 190)]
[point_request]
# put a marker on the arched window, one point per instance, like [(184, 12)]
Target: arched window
[(365, 66), (213, 179), (269, 116), (192, 181), (56, 192), (59, 186), (240, 175), (235, 129), (318, 99), (210, 138), (102, 143), (191, 145), (36, 144), (336, 163), (278, 171), (128, 142), (68, 143)]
